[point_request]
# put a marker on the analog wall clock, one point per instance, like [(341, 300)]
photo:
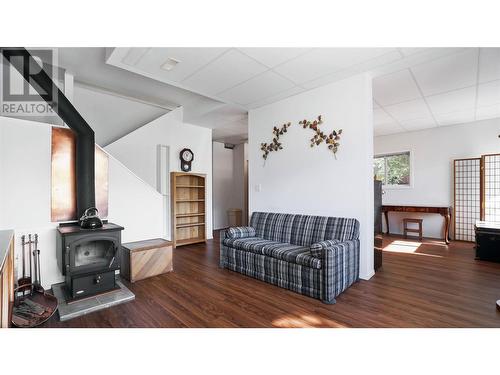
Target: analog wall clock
[(186, 157)]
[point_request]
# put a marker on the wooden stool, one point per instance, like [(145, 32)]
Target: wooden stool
[(415, 221)]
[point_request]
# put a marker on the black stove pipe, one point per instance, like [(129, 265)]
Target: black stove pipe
[(85, 139)]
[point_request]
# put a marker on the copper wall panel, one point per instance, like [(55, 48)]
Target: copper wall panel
[(63, 198)]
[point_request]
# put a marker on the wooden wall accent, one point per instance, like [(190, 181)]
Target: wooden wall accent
[(63, 191), (7, 287)]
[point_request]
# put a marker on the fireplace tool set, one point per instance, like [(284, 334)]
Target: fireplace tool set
[(32, 305)]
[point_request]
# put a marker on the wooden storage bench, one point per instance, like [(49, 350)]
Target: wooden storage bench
[(143, 259)]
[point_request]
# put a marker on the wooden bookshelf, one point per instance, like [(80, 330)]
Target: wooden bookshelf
[(188, 191)]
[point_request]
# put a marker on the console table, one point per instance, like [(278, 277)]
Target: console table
[(443, 211)]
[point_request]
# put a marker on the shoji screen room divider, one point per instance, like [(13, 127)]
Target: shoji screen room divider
[(477, 193)]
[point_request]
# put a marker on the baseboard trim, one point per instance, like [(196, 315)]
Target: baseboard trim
[(367, 277)]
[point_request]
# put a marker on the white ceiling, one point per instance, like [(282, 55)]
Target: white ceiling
[(459, 88), (250, 77), (414, 88), (116, 101)]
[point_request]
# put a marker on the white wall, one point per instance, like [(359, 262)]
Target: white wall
[(138, 151), (228, 180), (433, 151), (26, 184), (240, 157), (300, 179)]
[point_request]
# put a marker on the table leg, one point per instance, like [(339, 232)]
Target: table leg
[(386, 215), (447, 219)]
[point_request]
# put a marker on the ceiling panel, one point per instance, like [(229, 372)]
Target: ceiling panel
[(447, 73), (227, 71), (419, 123), (387, 128), (489, 64), (408, 51), (371, 65), (272, 99), (260, 87), (322, 61), (453, 101), (492, 111), (410, 110), (273, 56), (381, 117), (488, 94), (190, 60), (456, 117), (395, 88)]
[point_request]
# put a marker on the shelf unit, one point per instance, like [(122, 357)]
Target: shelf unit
[(188, 208)]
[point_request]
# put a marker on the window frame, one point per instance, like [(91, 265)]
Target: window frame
[(411, 176)]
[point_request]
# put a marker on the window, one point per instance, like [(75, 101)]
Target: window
[(393, 169)]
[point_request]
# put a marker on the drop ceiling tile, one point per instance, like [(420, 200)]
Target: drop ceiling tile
[(273, 56), (419, 123), (260, 87), (370, 65), (489, 64), (492, 111), (275, 98), (226, 71), (409, 110), (408, 51), (453, 101), (456, 117), (190, 60), (381, 117), (321, 61), (387, 128), (447, 73), (395, 88), (488, 94)]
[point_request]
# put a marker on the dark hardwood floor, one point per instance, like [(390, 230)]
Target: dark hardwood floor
[(427, 285)]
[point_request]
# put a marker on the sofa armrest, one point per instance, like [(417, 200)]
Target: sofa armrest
[(318, 248), (340, 264), (240, 232)]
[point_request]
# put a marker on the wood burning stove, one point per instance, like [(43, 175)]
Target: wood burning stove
[(88, 258)]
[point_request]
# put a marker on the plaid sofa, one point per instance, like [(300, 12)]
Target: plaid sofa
[(316, 256)]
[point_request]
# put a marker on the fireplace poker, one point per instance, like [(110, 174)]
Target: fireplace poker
[(37, 283), (24, 281)]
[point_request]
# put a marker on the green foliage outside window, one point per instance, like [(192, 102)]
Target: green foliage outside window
[(392, 169)]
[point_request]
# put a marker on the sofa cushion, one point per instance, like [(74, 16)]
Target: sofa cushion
[(317, 249), (279, 250), (240, 232), (303, 230)]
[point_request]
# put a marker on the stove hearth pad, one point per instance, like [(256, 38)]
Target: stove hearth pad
[(74, 309)]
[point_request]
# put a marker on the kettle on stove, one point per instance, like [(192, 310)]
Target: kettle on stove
[(90, 219)]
